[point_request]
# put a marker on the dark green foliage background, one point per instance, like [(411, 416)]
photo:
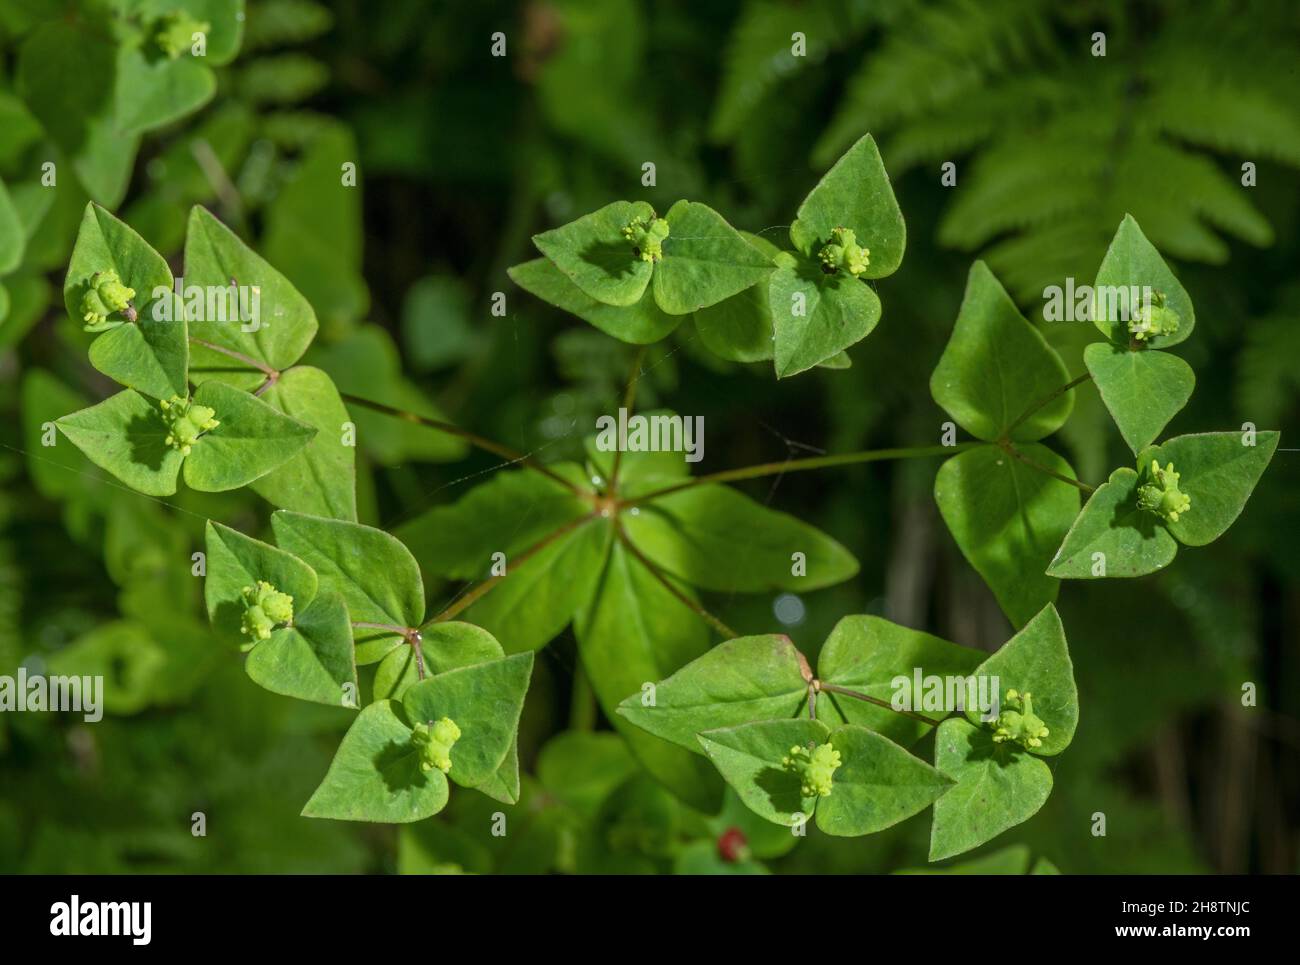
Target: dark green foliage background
[(461, 158)]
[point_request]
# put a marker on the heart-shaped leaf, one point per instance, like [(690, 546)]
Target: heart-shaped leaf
[(998, 786), (705, 260), (855, 193), (1130, 542), (376, 774), (749, 757), (321, 479), (816, 316), (996, 366), (252, 439), (1037, 661), (1218, 472), (485, 701), (737, 682), (740, 328), (640, 323), (1142, 389), (1009, 518), (215, 260), (126, 435), (150, 355), (236, 561), (877, 784), (595, 256), (1132, 264), (374, 572), (878, 658), (312, 659)]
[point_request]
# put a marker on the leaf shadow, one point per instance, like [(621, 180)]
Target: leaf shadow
[(615, 260), (148, 438), (782, 789)]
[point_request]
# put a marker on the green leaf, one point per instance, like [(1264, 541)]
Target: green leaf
[(507, 514), (1037, 661), (321, 479), (705, 260), (375, 573), (285, 323), (740, 328), (152, 92), (877, 784), (1219, 472), (749, 759), (702, 858), (737, 682), (542, 594), (1012, 860), (152, 354), (252, 439), (640, 323), (236, 561), (632, 633), (485, 700), (367, 364), (868, 654), (1132, 261), (313, 223), (504, 785), (996, 366), (998, 787), (816, 316), (1008, 519), (376, 775), (445, 646), (1132, 542), (581, 769), (855, 193), (225, 19), (717, 538), (125, 655), (12, 237), (1143, 390), (126, 435), (595, 256), (312, 659), (57, 472)]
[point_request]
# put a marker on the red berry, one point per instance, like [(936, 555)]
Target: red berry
[(733, 845)]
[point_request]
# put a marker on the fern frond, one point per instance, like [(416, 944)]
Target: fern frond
[(941, 53)]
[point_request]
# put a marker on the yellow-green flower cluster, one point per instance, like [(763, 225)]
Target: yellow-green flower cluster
[(1161, 495), (1019, 724), (186, 421), (265, 608), (105, 296), (815, 767), (647, 237), (434, 742), (843, 253)]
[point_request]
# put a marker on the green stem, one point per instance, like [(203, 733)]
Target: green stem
[(858, 695), (801, 465), (1045, 400), (487, 445), (239, 356), (1017, 454)]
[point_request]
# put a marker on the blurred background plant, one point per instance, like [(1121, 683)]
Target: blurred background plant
[(461, 156)]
